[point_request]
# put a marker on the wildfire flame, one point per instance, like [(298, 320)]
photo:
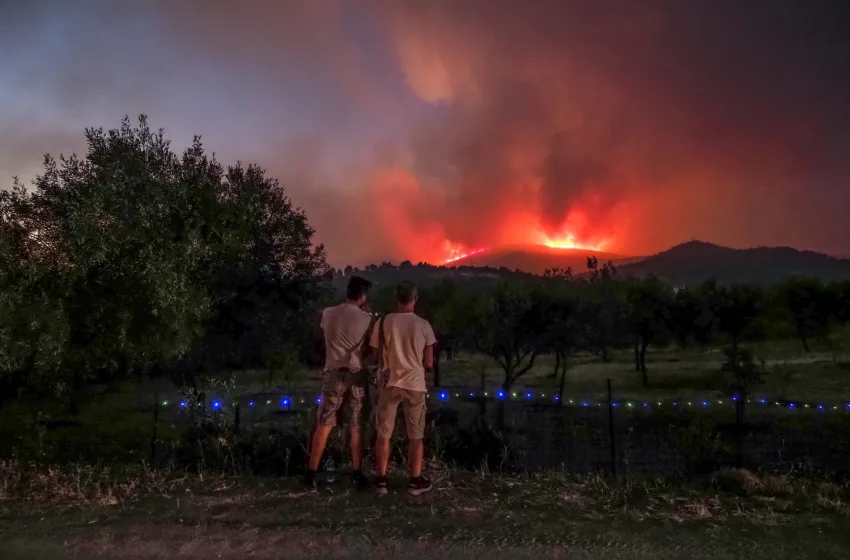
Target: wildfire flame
[(456, 252), (568, 241)]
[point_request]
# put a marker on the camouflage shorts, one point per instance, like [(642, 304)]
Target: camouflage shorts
[(342, 388), (413, 405)]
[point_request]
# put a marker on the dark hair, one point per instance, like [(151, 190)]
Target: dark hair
[(357, 287), (406, 292)]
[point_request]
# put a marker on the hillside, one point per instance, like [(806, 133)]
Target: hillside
[(697, 261), (535, 259), (686, 264)]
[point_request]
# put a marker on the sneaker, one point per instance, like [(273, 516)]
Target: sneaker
[(309, 481), (359, 480), (381, 485), (418, 486)]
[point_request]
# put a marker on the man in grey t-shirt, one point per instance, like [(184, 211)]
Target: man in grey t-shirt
[(344, 379), (407, 352)]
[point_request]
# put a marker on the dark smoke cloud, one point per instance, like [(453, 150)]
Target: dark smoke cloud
[(401, 124)]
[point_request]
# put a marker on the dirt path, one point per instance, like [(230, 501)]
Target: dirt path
[(463, 518)]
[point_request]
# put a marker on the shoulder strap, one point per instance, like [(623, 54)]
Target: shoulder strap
[(368, 334), (381, 342)]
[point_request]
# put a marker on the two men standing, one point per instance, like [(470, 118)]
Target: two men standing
[(404, 343)]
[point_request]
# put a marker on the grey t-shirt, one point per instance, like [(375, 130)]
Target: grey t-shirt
[(405, 337), (345, 327)]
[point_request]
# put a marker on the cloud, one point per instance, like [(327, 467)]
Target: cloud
[(408, 128)]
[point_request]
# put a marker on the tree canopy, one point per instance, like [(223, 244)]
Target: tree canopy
[(132, 258)]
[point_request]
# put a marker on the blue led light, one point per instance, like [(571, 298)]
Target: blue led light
[(500, 395), (613, 404), (557, 398), (216, 405), (250, 403), (443, 395), (183, 404), (735, 398), (319, 400), (790, 405), (284, 401), (471, 394), (584, 404), (820, 407), (528, 395), (645, 405), (762, 401), (704, 403)]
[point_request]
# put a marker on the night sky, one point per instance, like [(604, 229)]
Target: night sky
[(408, 129)]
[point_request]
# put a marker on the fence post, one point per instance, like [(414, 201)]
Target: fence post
[(739, 430), (611, 431), (154, 433), (561, 385)]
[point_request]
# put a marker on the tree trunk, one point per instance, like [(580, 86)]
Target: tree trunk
[(500, 406), (437, 367), (642, 358), (563, 379), (801, 332), (637, 354)]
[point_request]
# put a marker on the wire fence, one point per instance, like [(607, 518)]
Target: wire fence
[(527, 431)]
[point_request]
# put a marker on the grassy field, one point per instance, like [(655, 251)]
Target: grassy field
[(160, 515), (788, 372), (128, 511), (117, 422)]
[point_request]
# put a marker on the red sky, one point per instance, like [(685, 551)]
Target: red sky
[(408, 128)]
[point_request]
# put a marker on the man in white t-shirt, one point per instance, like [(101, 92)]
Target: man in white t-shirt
[(405, 344), (344, 379)]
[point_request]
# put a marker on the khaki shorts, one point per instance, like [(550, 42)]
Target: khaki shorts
[(341, 387), (413, 403)]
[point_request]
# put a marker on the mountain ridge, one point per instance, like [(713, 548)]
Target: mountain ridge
[(687, 263)]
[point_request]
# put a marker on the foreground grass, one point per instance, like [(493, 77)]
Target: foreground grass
[(94, 513)]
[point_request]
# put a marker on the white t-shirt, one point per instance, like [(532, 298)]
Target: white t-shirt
[(345, 327), (405, 337)]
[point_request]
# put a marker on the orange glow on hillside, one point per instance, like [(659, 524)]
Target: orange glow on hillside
[(569, 238), (568, 241), (426, 225), (456, 252)]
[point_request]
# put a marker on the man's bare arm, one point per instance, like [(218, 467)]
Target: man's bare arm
[(428, 358)]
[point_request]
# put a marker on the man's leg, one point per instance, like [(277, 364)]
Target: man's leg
[(415, 453), (317, 446), (356, 403), (332, 399), (387, 407), (414, 418)]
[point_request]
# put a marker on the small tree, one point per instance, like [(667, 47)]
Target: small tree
[(604, 313), (734, 311), (809, 307), (684, 313), (506, 324), (649, 302), (742, 373)]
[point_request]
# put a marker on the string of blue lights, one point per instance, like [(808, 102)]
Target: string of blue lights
[(287, 402)]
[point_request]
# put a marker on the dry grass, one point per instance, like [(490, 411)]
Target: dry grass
[(95, 512), (89, 485)]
